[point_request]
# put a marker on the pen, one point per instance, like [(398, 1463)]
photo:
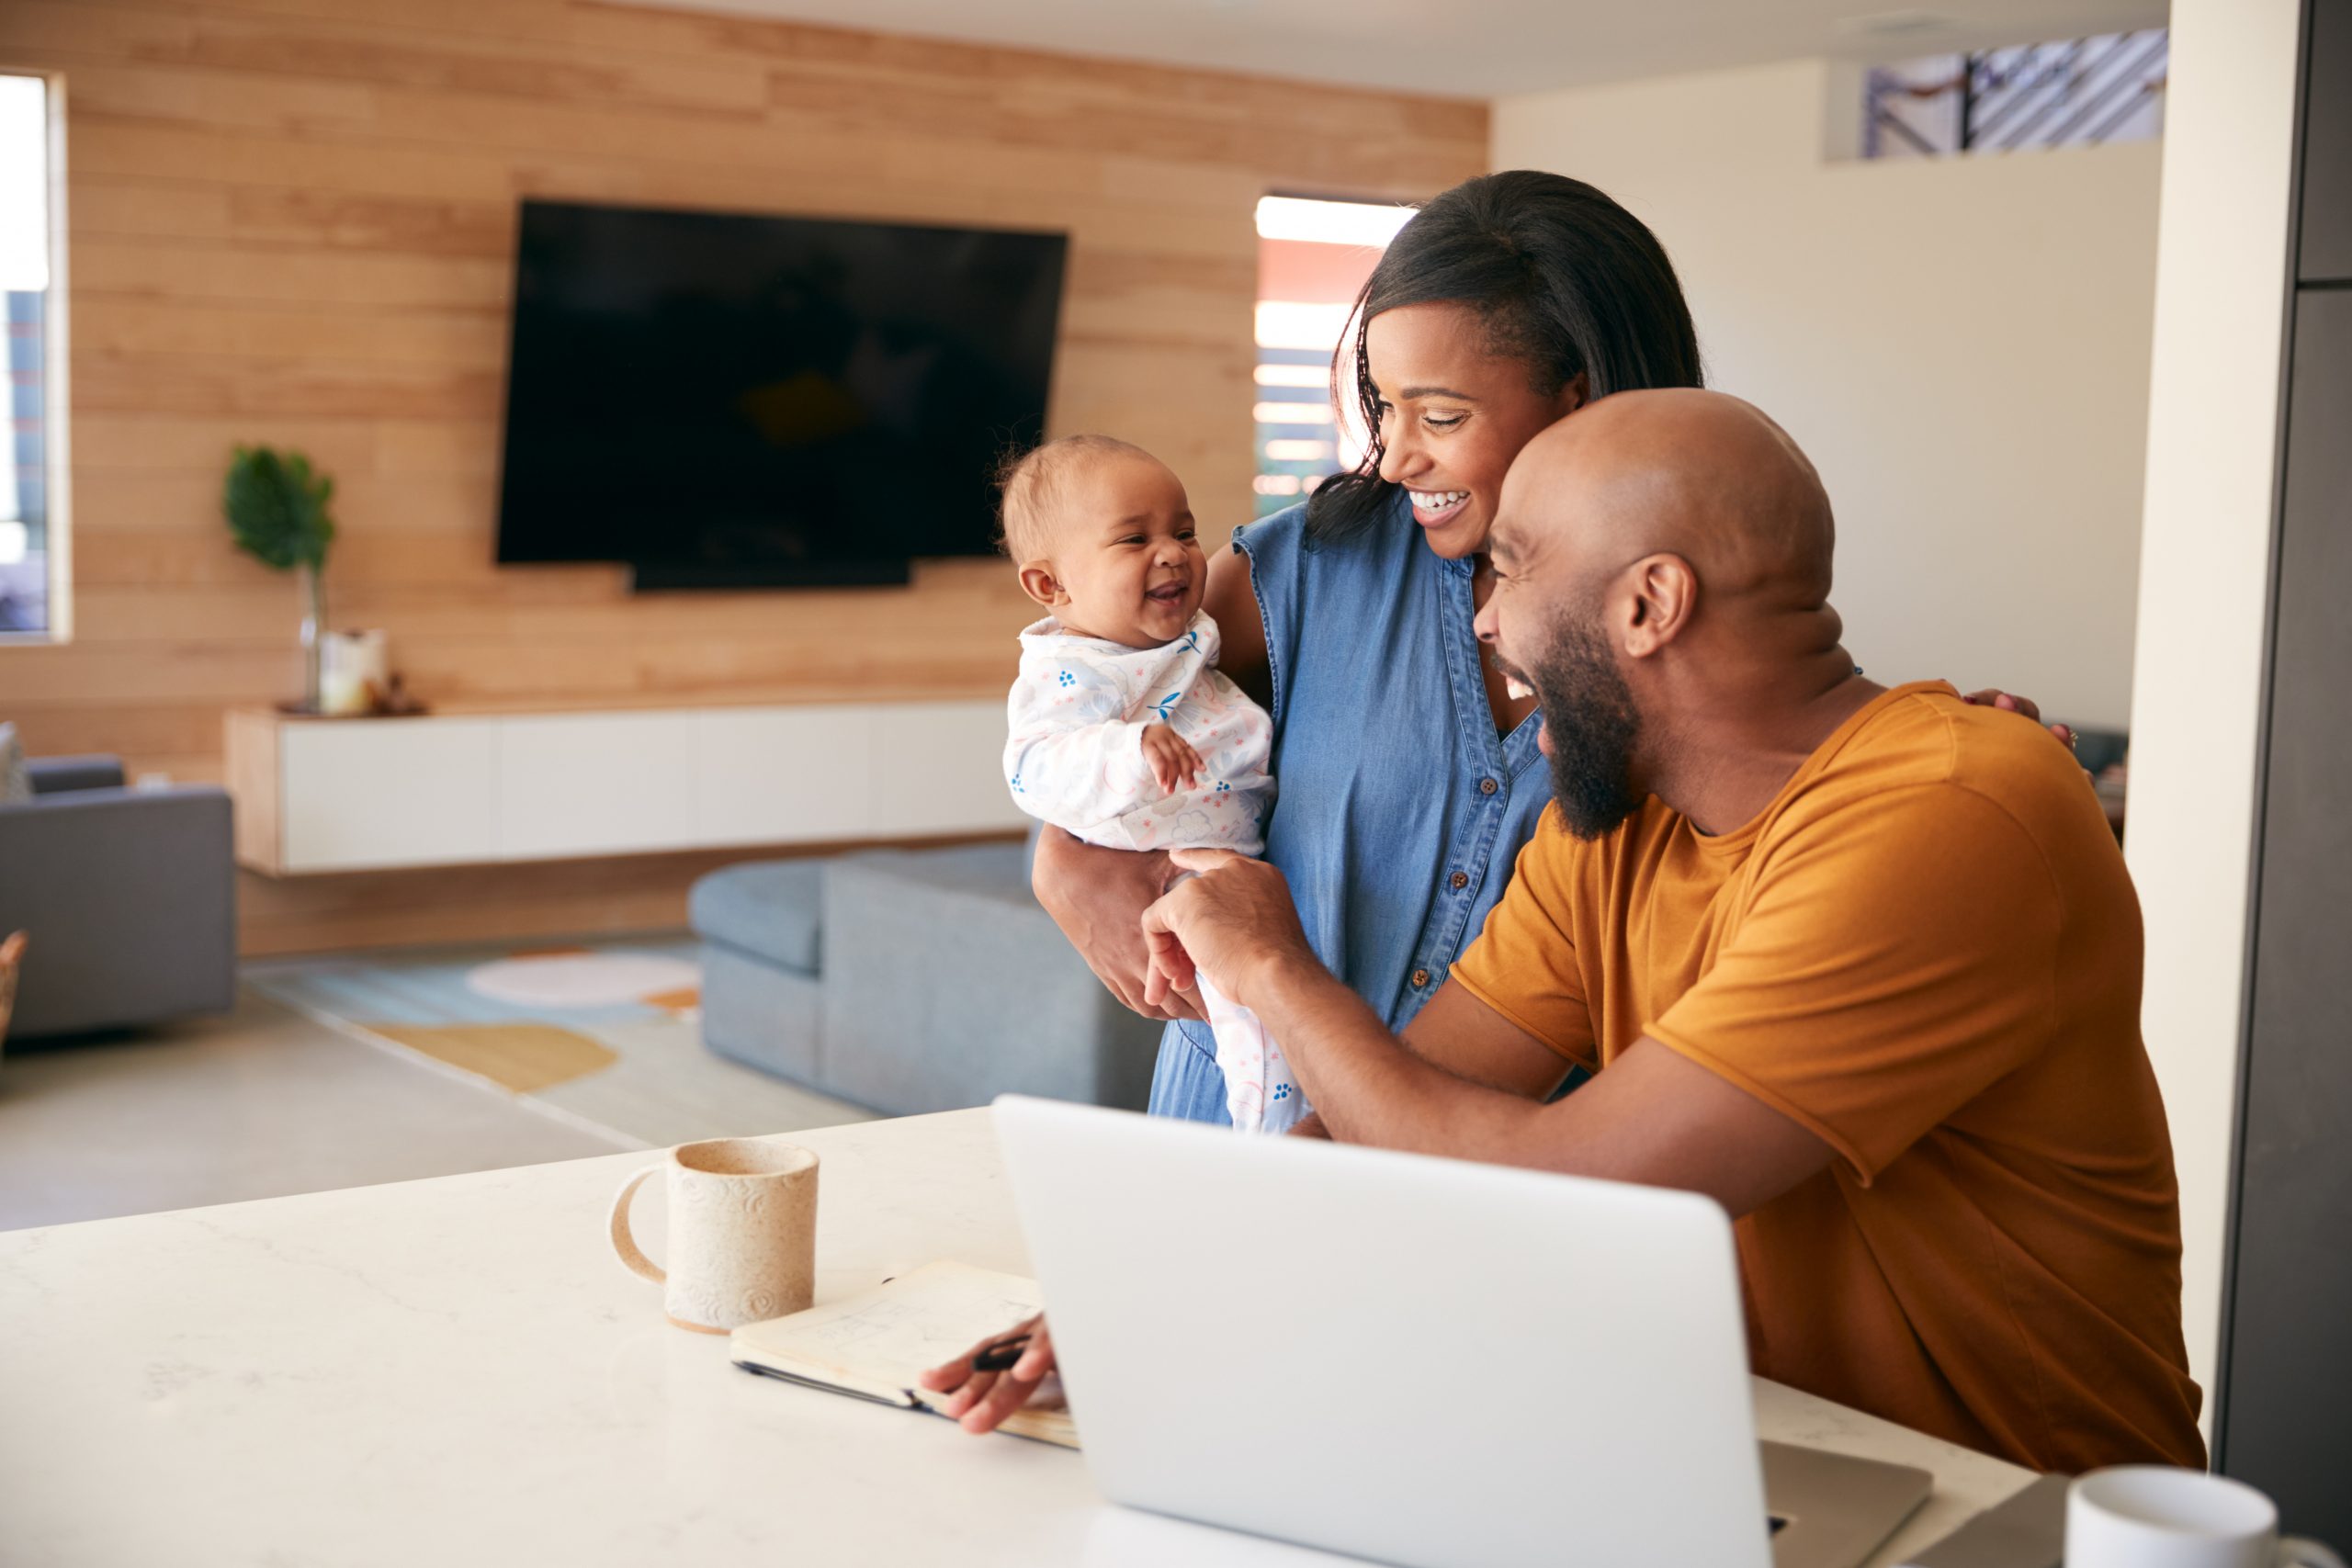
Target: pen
[(1001, 1355)]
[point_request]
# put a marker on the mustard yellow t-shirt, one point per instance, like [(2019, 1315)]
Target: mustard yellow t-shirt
[(1926, 951)]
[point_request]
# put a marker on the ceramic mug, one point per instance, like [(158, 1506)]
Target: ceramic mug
[(2152, 1516), (742, 1232)]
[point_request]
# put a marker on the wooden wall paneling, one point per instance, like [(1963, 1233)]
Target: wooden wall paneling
[(129, 730), (250, 769), (292, 221), (118, 324), (493, 903)]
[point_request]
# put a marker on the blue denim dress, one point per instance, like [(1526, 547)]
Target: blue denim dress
[(1398, 811)]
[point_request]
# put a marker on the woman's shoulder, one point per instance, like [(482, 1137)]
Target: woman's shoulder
[(1272, 542), (1286, 543)]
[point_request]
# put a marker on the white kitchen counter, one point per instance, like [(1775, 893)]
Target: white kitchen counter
[(455, 1371)]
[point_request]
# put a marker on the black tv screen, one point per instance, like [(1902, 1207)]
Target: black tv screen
[(726, 401)]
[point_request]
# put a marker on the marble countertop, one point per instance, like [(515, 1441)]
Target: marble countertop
[(455, 1371)]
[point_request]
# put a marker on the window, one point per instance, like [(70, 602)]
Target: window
[(32, 544), (2074, 92), (1312, 258)]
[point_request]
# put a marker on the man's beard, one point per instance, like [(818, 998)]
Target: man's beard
[(1593, 725)]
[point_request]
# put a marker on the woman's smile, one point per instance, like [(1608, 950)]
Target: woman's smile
[(1436, 508)]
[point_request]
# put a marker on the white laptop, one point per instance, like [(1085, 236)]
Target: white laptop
[(1422, 1361)]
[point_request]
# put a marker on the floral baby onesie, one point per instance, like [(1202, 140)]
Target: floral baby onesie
[(1075, 759)]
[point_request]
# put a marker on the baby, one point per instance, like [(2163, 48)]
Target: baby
[(1123, 732)]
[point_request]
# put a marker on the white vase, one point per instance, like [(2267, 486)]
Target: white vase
[(352, 672)]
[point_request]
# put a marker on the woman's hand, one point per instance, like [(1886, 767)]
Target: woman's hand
[(1098, 898), (1992, 698), (979, 1401)]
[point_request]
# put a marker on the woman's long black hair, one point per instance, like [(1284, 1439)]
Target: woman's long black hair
[(1563, 278)]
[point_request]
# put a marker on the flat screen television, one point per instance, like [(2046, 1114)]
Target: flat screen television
[(725, 400)]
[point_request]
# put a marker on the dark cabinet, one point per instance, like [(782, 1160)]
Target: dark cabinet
[(2286, 1426), (2326, 256)]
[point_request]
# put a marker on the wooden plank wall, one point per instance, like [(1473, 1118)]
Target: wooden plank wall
[(293, 220)]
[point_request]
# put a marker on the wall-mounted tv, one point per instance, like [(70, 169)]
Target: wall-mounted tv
[(725, 400)]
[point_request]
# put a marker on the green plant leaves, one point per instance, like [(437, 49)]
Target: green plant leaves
[(277, 508)]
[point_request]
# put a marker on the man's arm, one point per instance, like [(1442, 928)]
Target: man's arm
[(1653, 1117), (1466, 1037)]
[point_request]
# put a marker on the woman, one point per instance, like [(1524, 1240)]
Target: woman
[(1408, 776)]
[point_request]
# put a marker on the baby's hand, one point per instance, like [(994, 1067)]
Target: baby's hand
[(1170, 760)]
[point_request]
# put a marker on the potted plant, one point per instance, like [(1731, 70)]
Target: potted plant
[(277, 510)]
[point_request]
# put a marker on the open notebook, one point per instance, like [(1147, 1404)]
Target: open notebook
[(872, 1345)]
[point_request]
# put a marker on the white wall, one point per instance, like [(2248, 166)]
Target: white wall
[(2205, 582), (1961, 345)]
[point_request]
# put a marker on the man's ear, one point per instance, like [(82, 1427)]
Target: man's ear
[(1664, 597), (1038, 582)]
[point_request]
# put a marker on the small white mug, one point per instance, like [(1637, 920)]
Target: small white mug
[(742, 1232), (2153, 1515)]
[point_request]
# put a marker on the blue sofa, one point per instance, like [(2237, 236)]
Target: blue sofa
[(910, 980), (128, 898)]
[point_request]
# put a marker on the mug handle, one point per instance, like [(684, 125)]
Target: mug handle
[(2299, 1551), (637, 1263)]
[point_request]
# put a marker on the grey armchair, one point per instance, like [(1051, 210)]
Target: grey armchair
[(945, 985), (910, 980), (129, 897)]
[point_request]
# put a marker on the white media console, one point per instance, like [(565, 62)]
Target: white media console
[(330, 795)]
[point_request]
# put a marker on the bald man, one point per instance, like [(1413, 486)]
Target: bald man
[(1862, 965)]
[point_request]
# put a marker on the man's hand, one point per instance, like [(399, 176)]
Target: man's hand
[(981, 1400), (1171, 760), (1235, 922), (1310, 1126)]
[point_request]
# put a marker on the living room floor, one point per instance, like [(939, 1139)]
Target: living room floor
[(346, 1070), (258, 1104), (605, 1034)]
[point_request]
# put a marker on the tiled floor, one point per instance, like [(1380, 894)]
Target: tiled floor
[(258, 1104)]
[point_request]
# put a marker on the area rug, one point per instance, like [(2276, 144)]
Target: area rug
[(606, 1035), (523, 1058)]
